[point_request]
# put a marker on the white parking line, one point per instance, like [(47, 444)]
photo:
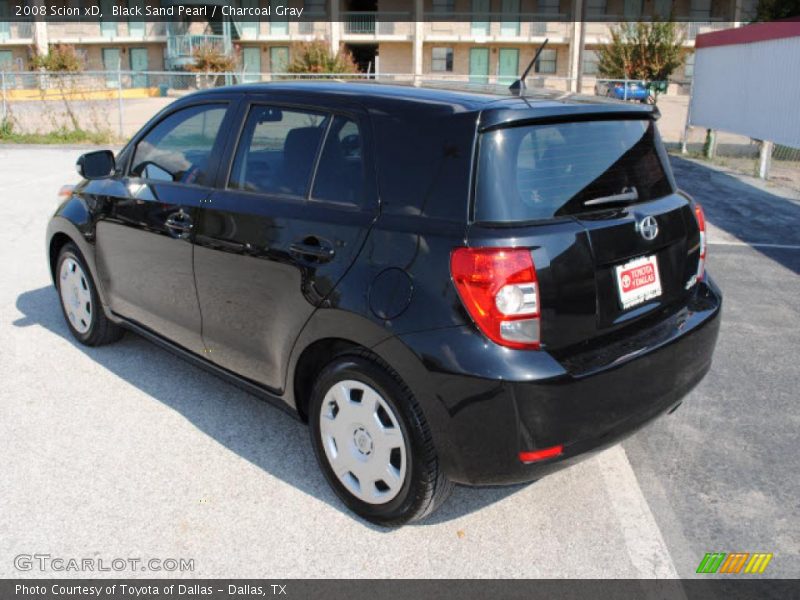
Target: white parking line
[(756, 245), (646, 547)]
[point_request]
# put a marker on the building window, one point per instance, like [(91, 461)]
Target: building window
[(700, 9), (688, 67), (546, 63), (590, 60), (443, 6), (6, 60), (549, 7), (596, 8), (442, 60)]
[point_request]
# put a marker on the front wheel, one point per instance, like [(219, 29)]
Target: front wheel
[(373, 443), (79, 300)]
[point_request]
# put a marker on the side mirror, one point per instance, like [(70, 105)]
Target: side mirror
[(96, 165)]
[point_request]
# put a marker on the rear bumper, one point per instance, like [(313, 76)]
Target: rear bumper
[(486, 403)]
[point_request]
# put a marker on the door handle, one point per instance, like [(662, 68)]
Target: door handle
[(314, 249), (179, 223)]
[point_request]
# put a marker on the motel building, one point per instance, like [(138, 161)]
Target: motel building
[(414, 39)]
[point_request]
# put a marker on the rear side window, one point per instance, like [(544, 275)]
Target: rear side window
[(340, 175), (277, 151), (543, 171), (179, 148)]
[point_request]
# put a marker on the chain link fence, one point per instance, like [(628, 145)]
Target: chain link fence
[(113, 105)]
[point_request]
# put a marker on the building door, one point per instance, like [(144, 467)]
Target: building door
[(138, 58), (6, 60), (136, 28), (108, 28), (510, 27), (479, 65), (249, 28), (111, 64), (481, 9), (251, 62), (278, 25), (278, 59), (508, 66)]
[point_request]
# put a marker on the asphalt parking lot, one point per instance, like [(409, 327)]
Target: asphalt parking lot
[(127, 451)]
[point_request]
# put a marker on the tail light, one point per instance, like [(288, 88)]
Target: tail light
[(499, 289), (701, 225), (532, 456)]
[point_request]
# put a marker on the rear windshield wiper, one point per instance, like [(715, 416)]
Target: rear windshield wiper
[(627, 195)]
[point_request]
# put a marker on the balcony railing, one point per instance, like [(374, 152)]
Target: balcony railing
[(283, 30), (694, 29), (496, 26), (81, 31), (600, 29), (14, 32), (183, 46), (365, 23)]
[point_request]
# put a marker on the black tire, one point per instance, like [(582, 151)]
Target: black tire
[(100, 329), (425, 486)]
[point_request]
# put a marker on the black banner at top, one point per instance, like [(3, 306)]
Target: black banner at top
[(353, 11)]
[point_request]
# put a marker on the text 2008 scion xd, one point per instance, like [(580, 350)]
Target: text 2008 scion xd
[(449, 287)]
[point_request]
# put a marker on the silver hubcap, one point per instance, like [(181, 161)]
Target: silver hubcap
[(363, 442), (75, 295)]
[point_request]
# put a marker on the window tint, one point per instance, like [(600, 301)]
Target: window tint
[(179, 147), (541, 171), (277, 151), (340, 175)]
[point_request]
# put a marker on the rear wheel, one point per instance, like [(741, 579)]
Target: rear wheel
[(79, 300), (373, 444)]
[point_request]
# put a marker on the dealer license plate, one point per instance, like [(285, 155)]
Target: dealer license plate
[(638, 281)]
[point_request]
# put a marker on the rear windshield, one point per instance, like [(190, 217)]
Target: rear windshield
[(543, 171)]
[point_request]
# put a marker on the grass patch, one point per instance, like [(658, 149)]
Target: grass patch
[(58, 136)]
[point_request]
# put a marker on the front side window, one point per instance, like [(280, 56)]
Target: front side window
[(546, 63), (277, 151), (178, 149), (442, 60), (340, 176), (543, 171)]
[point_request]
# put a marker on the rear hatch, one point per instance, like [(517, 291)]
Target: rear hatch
[(615, 247)]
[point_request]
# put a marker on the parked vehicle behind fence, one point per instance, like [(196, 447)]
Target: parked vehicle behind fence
[(623, 90)]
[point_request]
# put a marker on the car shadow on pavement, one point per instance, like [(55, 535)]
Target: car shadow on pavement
[(252, 428), (751, 214)]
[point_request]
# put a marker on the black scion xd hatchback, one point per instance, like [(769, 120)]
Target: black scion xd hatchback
[(449, 287)]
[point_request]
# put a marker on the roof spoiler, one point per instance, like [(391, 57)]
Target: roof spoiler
[(518, 87)]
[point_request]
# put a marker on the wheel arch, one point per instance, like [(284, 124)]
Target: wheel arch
[(64, 229), (57, 242), (328, 333)]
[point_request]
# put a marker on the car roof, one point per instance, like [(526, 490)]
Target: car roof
[(494, 102)]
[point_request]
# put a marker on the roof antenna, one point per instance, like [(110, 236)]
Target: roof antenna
[(518, 87)]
